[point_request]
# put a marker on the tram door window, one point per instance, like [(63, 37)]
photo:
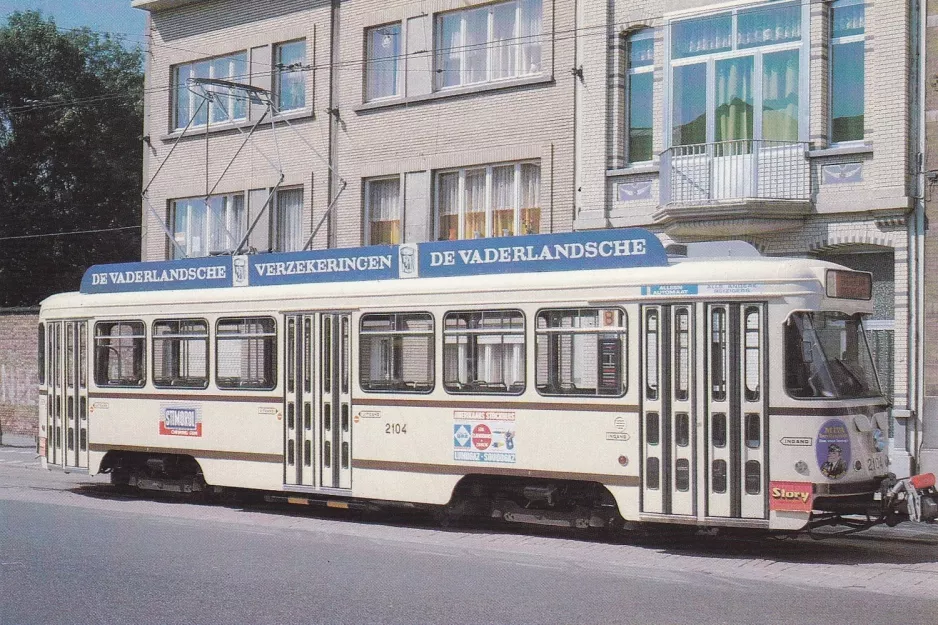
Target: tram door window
[(300, 441), (67, 394), (335, 421), (736, 424), (669, 416)]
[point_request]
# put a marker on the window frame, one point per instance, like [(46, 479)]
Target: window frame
[(843, 40), (505, 313), (621, 330), (488, 199), (231, 219), (757, 53), (178, 85), (41, 355), (278, 70), (630, 71), (370, 63), (367, 234), (181, 338), (368, 386), (277, 230), (141, 380), (270, 340), (439, 46)]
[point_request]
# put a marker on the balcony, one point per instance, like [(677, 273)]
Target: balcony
[(734, 188)]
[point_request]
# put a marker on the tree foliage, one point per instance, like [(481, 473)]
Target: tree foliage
[(71, 116)]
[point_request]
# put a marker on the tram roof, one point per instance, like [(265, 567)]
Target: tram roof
[(631, 258)]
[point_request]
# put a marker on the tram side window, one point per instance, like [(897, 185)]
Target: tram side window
[(246, 353), (483, 352), (120, 353), (581, 351), (180, 353), (396, 352), (42, 353)]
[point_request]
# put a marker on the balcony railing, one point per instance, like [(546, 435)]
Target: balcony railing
[(734, 171)]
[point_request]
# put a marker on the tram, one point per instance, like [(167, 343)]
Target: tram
[(579, 379)]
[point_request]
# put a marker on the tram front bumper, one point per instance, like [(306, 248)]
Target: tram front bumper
[(888, 499)]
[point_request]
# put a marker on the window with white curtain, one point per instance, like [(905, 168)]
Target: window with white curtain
[(488, 43), (488, 201), (290, 75), (227, 104), (204, 226), (383, 62), (383, 210), (639, 87), (287, 226), (736, 76), (848, 55)]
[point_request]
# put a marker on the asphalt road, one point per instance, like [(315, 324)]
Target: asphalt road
[(73, 552)]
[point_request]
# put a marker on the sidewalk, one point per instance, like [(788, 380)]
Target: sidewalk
[(17, 440)]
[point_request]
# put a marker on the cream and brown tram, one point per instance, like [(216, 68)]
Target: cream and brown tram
[(579, 379)]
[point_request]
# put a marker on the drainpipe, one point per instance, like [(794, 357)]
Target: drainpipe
[(333, 184), (917, 247)]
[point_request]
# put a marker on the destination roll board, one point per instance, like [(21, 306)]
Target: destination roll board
[(594, 249)]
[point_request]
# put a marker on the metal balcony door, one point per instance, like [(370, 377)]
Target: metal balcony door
[(736, 424), (299, 443), (334, 392), (67, 396), (669, 414)]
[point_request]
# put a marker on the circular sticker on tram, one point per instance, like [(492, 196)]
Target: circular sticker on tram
[(833, 449)]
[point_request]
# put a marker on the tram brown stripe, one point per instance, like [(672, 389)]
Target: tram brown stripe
[(255, 399), (491, 405), (446, 469), (824, 412), (195, 453)]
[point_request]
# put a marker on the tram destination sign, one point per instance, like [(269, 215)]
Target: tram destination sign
[(595, 249)]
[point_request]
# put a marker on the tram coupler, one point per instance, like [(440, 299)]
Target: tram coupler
[(912, 498)]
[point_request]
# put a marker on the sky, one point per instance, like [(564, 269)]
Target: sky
[(113, 16)]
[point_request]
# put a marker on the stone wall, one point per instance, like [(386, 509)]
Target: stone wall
[(19, 408)]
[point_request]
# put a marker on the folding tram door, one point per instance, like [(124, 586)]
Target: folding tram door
[(317, 424), (67, 394), (703, 425)]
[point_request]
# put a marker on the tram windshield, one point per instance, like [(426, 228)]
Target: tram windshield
[(827, 356)]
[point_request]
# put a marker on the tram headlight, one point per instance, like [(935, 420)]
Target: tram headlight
[(879, 439)]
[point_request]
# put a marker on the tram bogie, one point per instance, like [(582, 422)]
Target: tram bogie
[(578, 380)]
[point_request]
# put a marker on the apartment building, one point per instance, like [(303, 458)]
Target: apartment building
[(790, 125), (340, 124), (793, 125)]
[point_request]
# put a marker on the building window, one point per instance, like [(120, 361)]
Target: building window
[(287, 223), (735, 76), (120, 353), (246, 353), (290, 75), (848, 27), (396, 352), (640, 59), (483, 352), (581, 351), (226, 104), (180, 353), (488, 43), (494, 200), (205, 226), (383, 62), (383, 207)]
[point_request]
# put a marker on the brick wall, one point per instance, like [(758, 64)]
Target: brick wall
[(19, 408)]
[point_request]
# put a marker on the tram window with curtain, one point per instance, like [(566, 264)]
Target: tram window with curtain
[(581, 351), (396, 352), (246, 353), (120, 353), (483, 352), (180, 353)]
